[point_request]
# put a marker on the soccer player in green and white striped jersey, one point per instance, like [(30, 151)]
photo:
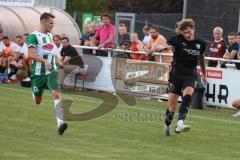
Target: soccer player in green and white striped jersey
[(42, 50)]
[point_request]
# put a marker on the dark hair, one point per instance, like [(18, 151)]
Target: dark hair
[(238, 34), (65, 38), (57, 36), (122, 25), (147, 28), (155, 28), (19, 36), (105, 15), (185, 23), (46, 16), (5, 37), (26, 34), (232, 34)]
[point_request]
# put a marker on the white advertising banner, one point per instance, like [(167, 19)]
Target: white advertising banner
[(28, 3), (222, 88), (99, 74)]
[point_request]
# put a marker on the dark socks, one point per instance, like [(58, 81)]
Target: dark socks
[(186, 100), (169, 117)]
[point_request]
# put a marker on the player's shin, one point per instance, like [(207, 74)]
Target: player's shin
[(169, 117), (59, 111), (186, 100)]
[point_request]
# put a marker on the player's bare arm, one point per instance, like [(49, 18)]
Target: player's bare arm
[(202, 65), (33, 56)]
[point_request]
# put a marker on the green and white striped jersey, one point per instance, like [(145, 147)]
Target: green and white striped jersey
[(45, 48)]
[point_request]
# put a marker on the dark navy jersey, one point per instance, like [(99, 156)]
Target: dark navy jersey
[(185, 55)]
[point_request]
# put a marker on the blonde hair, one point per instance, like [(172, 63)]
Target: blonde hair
[(134, 34)]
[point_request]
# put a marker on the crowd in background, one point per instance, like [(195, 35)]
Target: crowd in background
[(14, 61)]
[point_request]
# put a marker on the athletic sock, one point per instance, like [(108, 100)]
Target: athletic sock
[(59, 111), (184, 107), (169, 117)]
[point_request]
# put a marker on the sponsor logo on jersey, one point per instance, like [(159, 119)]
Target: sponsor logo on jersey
[(48, 47), (219, 45)]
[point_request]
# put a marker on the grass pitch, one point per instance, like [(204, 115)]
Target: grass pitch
[(28, 132)]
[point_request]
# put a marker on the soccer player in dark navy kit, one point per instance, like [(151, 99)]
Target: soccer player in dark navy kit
[(187, 52)]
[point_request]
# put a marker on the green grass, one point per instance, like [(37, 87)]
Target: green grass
[(28, 132)]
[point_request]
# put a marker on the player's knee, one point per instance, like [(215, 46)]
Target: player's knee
[(236, 104), (55, 95), (188, 91), (37, 100)]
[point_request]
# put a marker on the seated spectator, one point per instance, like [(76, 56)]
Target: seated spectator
[(218, 47), (124, 37), (105, 35), (231, 53), (19, 67), (157, 44), (86, 38), (22, 47), (8, 53), (137, 45), (147, 35), (70, 59), (25, 36), (58, 42)]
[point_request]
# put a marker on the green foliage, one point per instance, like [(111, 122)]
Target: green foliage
[(86, 5)]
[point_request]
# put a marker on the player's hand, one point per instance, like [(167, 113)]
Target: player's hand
[(167, 47), (47, 65), (204, 79), (150, 52), (100, 46)]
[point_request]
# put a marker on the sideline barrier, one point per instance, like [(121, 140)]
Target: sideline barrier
[(107, 74)]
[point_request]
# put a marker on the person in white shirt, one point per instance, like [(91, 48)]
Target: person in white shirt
[(22, 46), (147, 35), (58, 42)]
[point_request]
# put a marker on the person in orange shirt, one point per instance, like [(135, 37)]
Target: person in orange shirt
[(8, 54), (156, 44), (137, 45)]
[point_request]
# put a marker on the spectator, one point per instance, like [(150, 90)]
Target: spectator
[(105, 34), (19, 66), (147, 35), (70, 61), (25, 36), (8, 53), (22, 47), (232, 50), (238, 42), (94, 27), (124, 37), (156, 44), (217, 47), (86, 38), (58, 42), (137, 45), (68, 51)]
